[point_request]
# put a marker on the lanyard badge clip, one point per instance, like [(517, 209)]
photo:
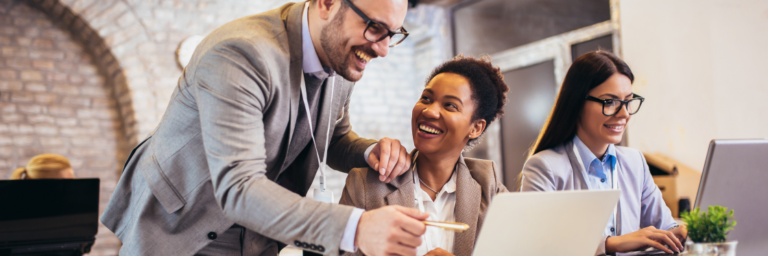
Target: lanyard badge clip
[(320, 194)]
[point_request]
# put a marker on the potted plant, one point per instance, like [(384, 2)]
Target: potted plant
[(708, 231)]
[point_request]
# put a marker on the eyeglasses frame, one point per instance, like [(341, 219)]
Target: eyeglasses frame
[(369, 22), (624, 103)]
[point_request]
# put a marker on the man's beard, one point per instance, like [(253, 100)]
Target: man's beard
[(333, 44)]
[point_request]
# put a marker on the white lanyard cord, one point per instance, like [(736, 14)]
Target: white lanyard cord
[(312, 131), (614, 181)]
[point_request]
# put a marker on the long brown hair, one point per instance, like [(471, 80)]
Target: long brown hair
[(43, 166), (587, 72)]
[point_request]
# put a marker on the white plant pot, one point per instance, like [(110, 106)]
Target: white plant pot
[(711, 249)]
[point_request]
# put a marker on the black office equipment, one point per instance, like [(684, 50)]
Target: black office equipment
[(48, 217)]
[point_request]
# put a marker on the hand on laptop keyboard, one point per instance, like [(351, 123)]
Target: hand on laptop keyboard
[(646, 237)]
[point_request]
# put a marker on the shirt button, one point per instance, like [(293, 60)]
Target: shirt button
[(602, 180), (613, 230), (212, 235)]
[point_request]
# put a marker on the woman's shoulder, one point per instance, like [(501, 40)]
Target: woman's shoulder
[(483, 171), (362, 175), (365, 179), (628, 151), (631, 155), (474, 164), (359, 173), (551, 159)]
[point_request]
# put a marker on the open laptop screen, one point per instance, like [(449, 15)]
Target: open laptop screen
[(34, 210), (735, 176)]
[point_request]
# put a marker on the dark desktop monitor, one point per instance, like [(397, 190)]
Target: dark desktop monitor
[(41, 217)]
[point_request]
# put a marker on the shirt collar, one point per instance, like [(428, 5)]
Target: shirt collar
[(588, 158), (449, 187), (310, 62)]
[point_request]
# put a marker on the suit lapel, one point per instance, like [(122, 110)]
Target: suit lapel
[(468, 198), (579, 174), (403, 189), (292, 21)]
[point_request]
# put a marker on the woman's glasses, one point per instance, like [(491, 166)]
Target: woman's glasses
[(375, 32), (613, 106)]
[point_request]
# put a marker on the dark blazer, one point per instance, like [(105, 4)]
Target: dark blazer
[(476, 185), (222, 154)]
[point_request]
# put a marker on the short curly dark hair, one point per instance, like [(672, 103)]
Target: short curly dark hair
[(489, 91)]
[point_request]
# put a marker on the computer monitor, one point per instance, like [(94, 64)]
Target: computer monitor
[(736, 176), (46, 216)]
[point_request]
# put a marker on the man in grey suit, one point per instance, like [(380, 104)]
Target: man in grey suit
[(226, 169)]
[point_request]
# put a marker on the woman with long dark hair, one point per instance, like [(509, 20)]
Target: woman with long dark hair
[(576, 151)]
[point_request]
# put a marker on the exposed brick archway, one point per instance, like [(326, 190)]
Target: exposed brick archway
[(110, 31), (62, 92)]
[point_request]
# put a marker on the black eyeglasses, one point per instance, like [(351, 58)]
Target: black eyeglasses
[(375, 32), (613, 106)]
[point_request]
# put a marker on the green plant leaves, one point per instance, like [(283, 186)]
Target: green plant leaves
[(711, 226)]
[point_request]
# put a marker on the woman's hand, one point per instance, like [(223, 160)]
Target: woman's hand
[(681, 232), (439, 252), (647, 237)]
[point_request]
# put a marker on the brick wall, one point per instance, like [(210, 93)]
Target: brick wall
[(122, 71), (54, 100)]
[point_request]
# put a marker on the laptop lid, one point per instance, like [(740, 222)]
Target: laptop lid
[(34, 210), (546, 223), (736, 176)]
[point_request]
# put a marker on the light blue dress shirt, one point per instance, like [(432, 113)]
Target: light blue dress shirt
[(640, 204), (600, 172)]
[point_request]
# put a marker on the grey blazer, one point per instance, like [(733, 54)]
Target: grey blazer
[(476, 185), (640, 204), (222, 153)]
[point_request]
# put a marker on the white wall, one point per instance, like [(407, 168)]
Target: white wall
[(702, 66)]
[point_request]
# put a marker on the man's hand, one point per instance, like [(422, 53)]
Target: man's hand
[(390, 230), (389, 158), (641, 239), (439, 252)]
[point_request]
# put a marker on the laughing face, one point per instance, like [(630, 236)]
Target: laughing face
[(346, 48), (441, 120), (598, 130)]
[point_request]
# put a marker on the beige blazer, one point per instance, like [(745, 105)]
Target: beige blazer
[(476, 185), (222, 154)]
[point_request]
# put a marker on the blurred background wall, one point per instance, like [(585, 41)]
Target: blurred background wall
[(702, 66)]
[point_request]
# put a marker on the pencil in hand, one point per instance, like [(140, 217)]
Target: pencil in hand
[(447, 225)]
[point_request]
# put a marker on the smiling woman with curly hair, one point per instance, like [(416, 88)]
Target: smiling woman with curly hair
[(462, 97)]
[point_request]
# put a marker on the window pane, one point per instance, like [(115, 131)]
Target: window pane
[(491, 26), (529, 101)]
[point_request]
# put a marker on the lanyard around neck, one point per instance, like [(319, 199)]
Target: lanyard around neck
[(312, 131), (614, 181)]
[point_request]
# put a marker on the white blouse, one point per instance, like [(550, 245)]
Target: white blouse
[(442, 209)]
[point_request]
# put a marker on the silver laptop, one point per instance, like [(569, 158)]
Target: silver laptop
[(546, 223), (736, 176)]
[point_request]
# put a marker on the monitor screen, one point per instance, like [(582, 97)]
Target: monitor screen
[(48, 209)]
